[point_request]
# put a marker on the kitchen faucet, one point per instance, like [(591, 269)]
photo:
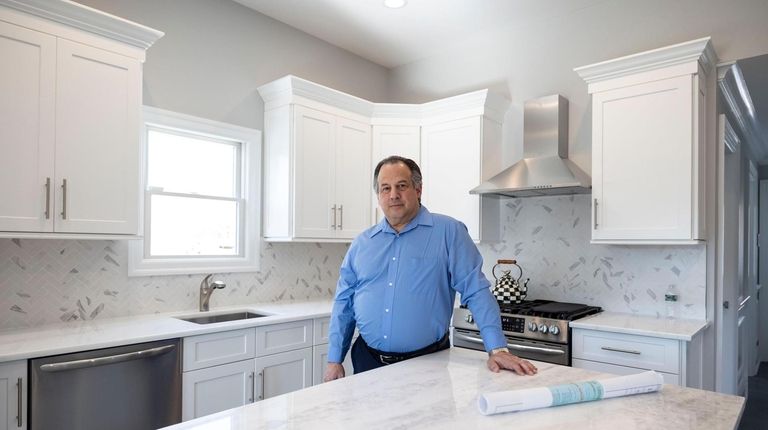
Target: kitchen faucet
[(206, 289)]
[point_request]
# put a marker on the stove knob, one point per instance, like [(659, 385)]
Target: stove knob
[(554, 329), (469, 318), (532, 327), (543, 328)]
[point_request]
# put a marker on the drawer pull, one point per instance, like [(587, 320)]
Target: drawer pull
[(18, 404), (625, 351)]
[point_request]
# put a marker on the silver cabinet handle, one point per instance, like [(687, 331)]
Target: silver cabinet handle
[(261, 393), (18, 406), (341, 216), (64, 199), (595, 214), (100, 361), (625, 351), (47, 198), (333, 225), (253, 386)]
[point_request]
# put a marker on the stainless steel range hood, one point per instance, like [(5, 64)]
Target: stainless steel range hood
[(545, 169)]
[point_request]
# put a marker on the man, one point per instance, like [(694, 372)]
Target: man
[(398, 282)]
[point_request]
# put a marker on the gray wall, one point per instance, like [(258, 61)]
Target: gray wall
[(538, 58), (215, 53)]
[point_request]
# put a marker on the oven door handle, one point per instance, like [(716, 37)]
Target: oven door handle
[(527, 348), (513, 346)]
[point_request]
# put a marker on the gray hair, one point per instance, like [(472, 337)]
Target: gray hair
[(394, 159)]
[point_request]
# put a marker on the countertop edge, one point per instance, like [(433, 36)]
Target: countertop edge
[(642, 325)]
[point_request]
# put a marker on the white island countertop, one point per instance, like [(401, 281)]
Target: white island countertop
[(668, 328), (439, 391), (105, 333)]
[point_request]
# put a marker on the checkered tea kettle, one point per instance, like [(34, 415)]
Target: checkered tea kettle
[(508, 289)]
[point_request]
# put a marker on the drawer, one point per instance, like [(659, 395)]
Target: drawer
[(322, 326), (669, 378), (271, 339), (641, 352), (213, 349)]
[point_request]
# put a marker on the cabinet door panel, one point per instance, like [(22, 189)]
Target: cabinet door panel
[(669, 378), (11, 374), (211, 390), (97, 140), (283, 373), (642, 166), (450, 163), (314, 169), (353, 170), (27, 77)]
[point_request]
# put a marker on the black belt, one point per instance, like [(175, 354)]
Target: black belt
[(394, 357)]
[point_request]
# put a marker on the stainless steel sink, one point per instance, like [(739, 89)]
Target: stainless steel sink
[(210, 319)]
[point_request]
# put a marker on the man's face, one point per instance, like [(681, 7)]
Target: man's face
[(398, 198)]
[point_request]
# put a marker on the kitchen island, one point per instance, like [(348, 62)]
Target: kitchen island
[(439, 391)]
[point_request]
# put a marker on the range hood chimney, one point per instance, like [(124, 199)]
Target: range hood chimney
[(545, 169)]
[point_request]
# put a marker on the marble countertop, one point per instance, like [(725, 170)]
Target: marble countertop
[(669, 328), (81, 336), (439, 391)]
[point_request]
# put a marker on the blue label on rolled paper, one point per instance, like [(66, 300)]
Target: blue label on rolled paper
[(576, 393)]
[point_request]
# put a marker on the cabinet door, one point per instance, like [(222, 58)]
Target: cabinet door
[(13, 395), (217, 388), (27, 85), (314, 206), (284, 372), (353, 170), (404, 141), (98, 95), (642, 161), (450, 163)]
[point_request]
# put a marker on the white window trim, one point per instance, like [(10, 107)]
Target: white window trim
[(251, 191)]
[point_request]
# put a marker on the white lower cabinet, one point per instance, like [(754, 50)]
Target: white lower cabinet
[(217, 388), (13, 395), (624, 354), (282, 373)]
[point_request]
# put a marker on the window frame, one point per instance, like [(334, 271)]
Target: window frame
[(249, 215)]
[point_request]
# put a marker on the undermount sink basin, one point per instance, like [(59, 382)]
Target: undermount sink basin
[(210, 319)]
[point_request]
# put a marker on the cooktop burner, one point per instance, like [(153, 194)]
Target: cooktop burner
[(549, 309)]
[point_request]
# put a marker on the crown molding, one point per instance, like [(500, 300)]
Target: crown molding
[(695, 51), (88, 19), (740, 109), (289, 89)]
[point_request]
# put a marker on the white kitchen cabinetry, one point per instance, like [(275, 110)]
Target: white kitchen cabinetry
[(219, 372), (624, 354), (320, 351), (71, 98), (284, 361), (388, 140), (319, 157), (13, 395), (649, 144)]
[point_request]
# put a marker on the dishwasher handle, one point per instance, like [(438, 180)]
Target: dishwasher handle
[(101, 361)]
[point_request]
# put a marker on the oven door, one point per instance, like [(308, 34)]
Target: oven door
[(529, 349)]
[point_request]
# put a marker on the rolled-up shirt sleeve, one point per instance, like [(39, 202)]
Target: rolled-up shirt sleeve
[(342, 316), (468, 280)]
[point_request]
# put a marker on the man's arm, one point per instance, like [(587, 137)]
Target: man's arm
[(342, 319)]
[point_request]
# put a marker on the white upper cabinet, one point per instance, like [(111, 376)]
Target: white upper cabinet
[(649, 145), (321, 148), (70, 106)]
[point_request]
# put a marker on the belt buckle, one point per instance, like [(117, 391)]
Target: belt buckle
[(387, 359)]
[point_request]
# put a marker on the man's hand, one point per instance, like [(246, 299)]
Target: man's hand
[(505, 360), (333, 371)]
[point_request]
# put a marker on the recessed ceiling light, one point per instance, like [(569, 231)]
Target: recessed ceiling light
[(395, 4)]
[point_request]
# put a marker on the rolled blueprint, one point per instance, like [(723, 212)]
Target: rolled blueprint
[(544, 397)]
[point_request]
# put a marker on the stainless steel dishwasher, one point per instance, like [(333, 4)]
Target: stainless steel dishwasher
[(132, 387)]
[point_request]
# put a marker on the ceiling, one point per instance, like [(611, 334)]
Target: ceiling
[(394, 37)]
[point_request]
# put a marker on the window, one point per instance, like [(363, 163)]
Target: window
[(201, 197)]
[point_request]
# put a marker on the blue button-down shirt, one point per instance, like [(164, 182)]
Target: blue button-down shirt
[(399, 288)]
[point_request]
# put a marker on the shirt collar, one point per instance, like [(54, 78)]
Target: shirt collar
[(424, 217)]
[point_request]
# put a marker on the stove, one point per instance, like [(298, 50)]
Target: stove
[(535, 329)]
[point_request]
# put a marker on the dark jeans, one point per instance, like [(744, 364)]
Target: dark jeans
[(365, 358)]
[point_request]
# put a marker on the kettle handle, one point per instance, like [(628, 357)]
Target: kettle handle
[(512, 262)]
